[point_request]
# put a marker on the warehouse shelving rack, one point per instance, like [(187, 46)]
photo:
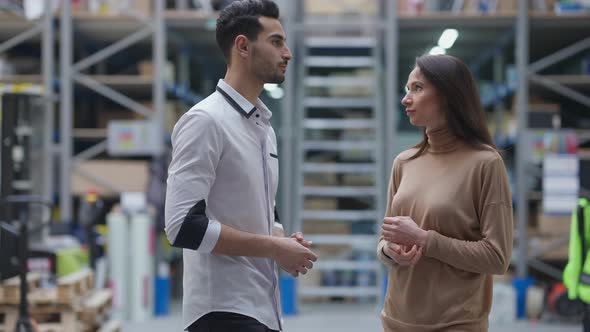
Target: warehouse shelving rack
[(181, 29), (545, 40), (71, 73), (14, 31), (309, 121), (501, 32), (519, 28)]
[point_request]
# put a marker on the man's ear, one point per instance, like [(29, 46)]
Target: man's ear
[(242, 45)]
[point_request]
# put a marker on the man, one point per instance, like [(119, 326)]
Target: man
[(222, 183)]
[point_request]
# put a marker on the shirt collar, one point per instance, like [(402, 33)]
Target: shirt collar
[(241, 104)]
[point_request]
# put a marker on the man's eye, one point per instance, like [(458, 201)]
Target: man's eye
[(277, 42)]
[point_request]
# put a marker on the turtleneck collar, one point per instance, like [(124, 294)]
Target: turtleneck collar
[(442, 140)]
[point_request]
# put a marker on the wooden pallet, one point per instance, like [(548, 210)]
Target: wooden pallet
[(96, 307), (10, 289), (71, 306), (111, 326), (9, 318), (89, 316), (49, 318), (74, 285)]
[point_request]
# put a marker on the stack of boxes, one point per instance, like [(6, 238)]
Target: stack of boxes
[(561, 187)]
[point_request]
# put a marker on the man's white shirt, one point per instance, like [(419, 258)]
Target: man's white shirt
[(224, 157)]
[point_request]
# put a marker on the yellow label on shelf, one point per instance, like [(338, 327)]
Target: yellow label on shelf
[(21, 88)]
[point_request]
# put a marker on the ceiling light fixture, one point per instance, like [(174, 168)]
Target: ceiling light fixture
[(437, 50), (447, 39)]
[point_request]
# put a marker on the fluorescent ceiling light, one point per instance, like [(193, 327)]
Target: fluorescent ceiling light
[(447, 39), (277, 93), (437, 50), (270, 86)]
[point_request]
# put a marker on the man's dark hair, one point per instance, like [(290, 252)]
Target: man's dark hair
[(241, 18)]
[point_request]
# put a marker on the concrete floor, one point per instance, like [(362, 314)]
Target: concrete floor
[(341, 318)]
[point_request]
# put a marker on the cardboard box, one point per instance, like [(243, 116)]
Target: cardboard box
[(146, 68), (358, 180), (143, 7), (506, 7), (171, 113), (321, 204), (553, 225), (79, 6), (104, 117), (325, 227), (559, 253), (341, 7), (410, 7), (123, 175), (117, 7), (320, 179)]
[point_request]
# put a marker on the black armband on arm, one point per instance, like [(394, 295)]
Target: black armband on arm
[(193, 227)]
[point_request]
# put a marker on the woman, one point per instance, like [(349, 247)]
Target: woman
[(448, 223)]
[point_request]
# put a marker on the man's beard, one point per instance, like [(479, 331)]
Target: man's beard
[(277, 78), (266, 72), (267, 75)]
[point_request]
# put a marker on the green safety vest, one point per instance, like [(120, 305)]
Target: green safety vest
[(576, 275)]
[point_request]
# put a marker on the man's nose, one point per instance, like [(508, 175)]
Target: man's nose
[(287, 55)]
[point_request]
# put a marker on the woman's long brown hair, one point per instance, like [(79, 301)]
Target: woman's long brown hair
[(464, 113)]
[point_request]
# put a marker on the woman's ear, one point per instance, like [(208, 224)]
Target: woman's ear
[(242, 45)]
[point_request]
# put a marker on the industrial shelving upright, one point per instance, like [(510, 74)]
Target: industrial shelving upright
[(346, 54), (16, 30), (71, 73), (502, 32), (545, 40), (171, 33), (523, 29)]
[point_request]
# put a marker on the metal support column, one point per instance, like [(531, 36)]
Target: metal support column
[(47, 73), (498, 77), (288, 119), (340, 136), (391, 85), (522, 59), (44, 28), (159, 61), (66, 114), (297, 11), (184, 69)]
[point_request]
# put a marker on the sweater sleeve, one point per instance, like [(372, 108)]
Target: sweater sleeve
[(491, 254), (392, 188)]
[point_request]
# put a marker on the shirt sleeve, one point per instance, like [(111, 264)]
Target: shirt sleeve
[(278, 223), (491, 254), (196, 150), (392, 189)]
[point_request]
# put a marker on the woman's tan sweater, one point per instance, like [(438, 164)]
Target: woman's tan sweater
[(461, 196)]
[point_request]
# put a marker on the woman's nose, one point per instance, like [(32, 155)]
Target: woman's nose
[(406, 100)]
